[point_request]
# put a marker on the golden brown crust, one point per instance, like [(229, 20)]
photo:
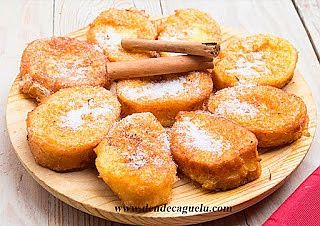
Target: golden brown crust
[(164, 96), (64, 129), (257, 59), (214, 151), (48, 65), (135, 161), (274, 116), (112, 25), (189, 25)]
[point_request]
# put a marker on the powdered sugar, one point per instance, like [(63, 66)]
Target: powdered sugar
[(137, 160), (198, 138), (140, 159), (144, 141), (70, 69), (234, 106), (250, 64), (160, 89), (163, 138), (111, 38), (75, 118), (194, 33), (189, 34)]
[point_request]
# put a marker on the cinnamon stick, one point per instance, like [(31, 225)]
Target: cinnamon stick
[(157, 66), (209, 50)]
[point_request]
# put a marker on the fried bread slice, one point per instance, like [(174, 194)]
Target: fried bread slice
[(164, 96), (274, 116), (257, 59), (135, 161), (189, 25), (112, 25), (48, 65), (213, 151), (64, 129)]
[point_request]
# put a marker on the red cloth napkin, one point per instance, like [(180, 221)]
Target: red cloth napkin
[(302, 208)]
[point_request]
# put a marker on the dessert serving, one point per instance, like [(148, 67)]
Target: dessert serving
[(112, 25), (64, 129), (169, 130), (164, 96), (274, 116), (48, 65), (215, 152), (257, 59), (189, 25), (136, 162)]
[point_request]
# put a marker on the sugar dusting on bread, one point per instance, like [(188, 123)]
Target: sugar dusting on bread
[(136, 160), (71, 69), (188, 33), (140, 159), (200, 139), (234, 106), (75, 118), (135, 153), (111, 38), (162, 89), (250, 64)]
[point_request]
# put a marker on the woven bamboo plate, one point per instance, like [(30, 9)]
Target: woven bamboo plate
[(85, 191)]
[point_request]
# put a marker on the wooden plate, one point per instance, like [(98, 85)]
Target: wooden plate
[(85, 191)]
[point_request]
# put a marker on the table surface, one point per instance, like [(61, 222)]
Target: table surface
[(24, 202)]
